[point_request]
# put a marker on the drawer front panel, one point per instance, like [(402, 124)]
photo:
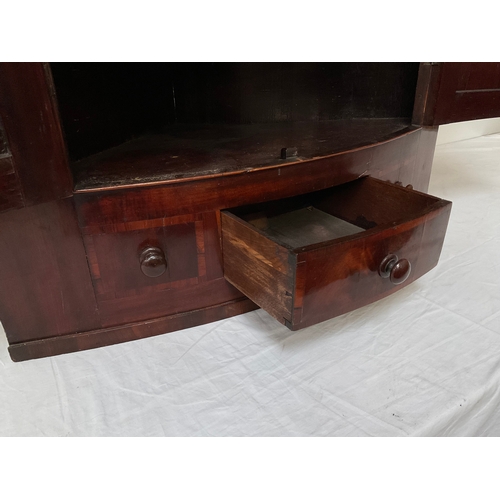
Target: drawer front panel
[(117, 255), (193, 277), (337, 279)]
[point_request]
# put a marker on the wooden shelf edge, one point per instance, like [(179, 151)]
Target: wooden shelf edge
[(284, 164)]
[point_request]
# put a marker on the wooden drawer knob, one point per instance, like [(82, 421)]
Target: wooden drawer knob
[(397, 270), (153, 262)]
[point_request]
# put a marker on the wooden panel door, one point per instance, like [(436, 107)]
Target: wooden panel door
[(454, 92)]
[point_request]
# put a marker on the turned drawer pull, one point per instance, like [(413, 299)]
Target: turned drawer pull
[(153, 262), (397, 270)]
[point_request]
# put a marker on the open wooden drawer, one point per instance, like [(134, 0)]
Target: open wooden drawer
[(312, 257)]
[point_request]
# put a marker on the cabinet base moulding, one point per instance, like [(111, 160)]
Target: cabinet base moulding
[(134, 331)]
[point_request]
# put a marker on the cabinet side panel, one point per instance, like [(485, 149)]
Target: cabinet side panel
[(420, 172), (11, 195), (429, 78), (45, 286), (410, 162), (29, 114)]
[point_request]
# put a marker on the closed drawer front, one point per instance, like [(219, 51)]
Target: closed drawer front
[(158, 267), (314, 257)]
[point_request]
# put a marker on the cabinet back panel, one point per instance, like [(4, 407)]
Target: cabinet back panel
[(105, 104)]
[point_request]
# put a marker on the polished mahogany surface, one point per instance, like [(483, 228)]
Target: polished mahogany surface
[(28, 111), (157, 151), (302, 285), (405, 158), (199, 152), (11, 194), (193, 277), (454, 92), (45, 286), (125, 333)]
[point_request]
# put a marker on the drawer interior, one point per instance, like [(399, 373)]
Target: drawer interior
[(302, 227), (342, 211)]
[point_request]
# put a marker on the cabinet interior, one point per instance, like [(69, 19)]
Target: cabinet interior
[(129, 123)]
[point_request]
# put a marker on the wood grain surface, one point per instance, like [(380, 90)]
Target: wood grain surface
[(454, 92), (157, 151), (92, 339), (45, 285), (200, 151), (405, 158), (29, 113), (304, 285), (103, 105)]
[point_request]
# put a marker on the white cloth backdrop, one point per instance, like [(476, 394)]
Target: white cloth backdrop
[(423, 362)]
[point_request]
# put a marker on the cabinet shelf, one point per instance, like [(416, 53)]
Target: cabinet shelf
[(189, 152)]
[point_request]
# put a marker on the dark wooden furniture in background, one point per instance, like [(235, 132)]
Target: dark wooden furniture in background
[(122, 188)]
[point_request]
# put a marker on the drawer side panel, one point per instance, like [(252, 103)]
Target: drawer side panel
[(258, 267)]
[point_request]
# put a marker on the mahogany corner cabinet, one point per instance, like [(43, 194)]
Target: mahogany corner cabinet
[(142, 198)]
